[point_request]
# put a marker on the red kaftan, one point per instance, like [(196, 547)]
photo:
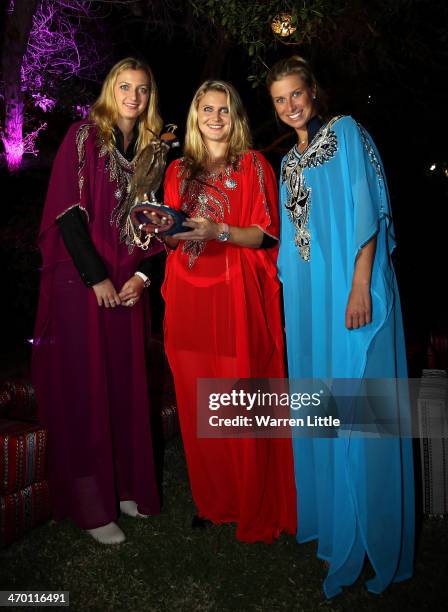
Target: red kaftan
[(222, 319)]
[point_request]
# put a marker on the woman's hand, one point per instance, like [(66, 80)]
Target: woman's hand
[(106, 294), (359, 307), (203, 229), (131, 291)]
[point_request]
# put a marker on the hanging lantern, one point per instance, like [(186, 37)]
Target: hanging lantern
[(282, 25)]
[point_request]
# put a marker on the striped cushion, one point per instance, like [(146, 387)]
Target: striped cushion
[(433, 429), (23, 510), (23, 449), (17, 400)]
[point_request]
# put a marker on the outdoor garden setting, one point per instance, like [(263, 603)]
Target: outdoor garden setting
[(382, 63)]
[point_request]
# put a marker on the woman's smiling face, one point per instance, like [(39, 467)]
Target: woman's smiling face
[(214, 120), (131, 92), (293, 100)]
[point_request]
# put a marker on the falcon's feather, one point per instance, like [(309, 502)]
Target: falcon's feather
[(147, 177), (149, 170)]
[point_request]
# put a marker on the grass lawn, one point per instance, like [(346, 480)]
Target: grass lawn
[(164, 565)]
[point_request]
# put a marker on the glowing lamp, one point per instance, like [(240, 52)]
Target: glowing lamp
[(282, 25)]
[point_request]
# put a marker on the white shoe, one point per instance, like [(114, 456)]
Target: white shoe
[(129, 507), (107, 534)]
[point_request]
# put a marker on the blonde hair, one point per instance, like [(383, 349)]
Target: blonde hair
[(240, 140), (104, 110), (298, 65)]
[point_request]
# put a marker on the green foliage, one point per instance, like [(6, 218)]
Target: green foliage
[(248, 24), (360, 35)]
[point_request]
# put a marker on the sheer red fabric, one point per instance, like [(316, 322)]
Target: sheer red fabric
[(89, 367), (222, 320)]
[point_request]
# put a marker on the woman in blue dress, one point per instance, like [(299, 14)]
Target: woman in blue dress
[(343, 321)]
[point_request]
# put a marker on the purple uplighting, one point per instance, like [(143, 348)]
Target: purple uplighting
[(13, 138), (81, 110), (29, 142), (16, 145), (43, 102), (60, 46), (52, 45)]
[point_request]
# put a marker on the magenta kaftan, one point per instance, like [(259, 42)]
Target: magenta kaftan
[(89, 367)]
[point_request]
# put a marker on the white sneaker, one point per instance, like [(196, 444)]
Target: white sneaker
[(129, 507), (107, 534)]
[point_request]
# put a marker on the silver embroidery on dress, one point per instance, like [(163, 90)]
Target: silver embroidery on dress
[(81, 137), (120, 170), (260, 174), (371, 152), (80, 140), (373, 159), (298, 204), (203, 196), (230, 183)]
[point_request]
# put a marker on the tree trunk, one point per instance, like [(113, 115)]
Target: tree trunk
[(216, 57), (16, 33)]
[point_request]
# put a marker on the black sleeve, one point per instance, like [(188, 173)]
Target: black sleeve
[(268, 242), (153, 267), (76, 237)]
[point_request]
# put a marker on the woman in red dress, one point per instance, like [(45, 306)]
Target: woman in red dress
[(222, 315)]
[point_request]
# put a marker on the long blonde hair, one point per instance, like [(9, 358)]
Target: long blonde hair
[(195, 150), (104, 110)]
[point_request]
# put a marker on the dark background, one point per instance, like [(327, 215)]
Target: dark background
[(385, 63), (392, 80)]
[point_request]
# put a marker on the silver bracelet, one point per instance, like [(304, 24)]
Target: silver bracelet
[(145, 279)]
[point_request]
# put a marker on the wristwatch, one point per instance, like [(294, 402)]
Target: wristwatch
[(224, 235)]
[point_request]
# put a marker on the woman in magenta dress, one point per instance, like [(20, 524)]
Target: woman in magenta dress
[(89, 366), (222, 315)]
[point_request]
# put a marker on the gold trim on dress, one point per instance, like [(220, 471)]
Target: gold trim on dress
[(74, 206)]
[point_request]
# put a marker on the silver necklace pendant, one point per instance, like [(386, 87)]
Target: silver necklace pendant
[(230, 183)]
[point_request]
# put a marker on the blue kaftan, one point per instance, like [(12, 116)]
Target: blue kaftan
[(355, 494)]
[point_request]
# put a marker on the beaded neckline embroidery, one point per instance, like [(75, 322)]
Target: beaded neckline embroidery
[(298, 203), (120, 170), (205, 196)]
